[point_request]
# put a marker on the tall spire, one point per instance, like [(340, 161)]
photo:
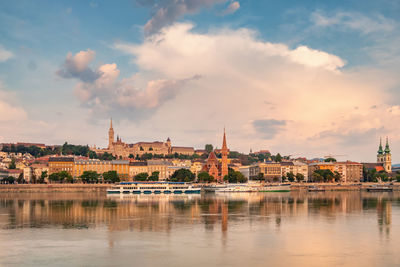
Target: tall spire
[(387, 149), (111, 124), (380, 151), (224, 141)]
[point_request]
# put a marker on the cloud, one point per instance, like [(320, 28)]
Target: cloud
[(232, 8), (77, 66), (353, 21), (269, 128), (165, 12), (103, 92), (9, 109), (241, 73), (4, 54)]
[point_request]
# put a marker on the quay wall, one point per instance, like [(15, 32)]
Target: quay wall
[(35, 188)]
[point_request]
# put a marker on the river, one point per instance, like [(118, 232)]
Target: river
[(237, 229)]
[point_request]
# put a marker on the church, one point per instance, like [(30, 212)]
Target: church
[(120, 149), (214, 167)]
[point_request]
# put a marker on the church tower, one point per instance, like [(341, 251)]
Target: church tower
[(224, 154), (379, 157), (110, 136), (387, 159)]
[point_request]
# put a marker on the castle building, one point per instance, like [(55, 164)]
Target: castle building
[(384, 157), (216, 168), (120, 149)]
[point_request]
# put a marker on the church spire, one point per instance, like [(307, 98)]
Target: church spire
[(111, 124), (387, 149), (380, 151)]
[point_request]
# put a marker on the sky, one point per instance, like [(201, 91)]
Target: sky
[(302, 78)]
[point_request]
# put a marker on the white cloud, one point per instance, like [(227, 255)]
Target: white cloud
[(268, 95), (232, 8), (5, 54), (166, 12), (353, 21)]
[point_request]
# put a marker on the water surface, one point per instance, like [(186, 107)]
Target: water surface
[(238, 229)]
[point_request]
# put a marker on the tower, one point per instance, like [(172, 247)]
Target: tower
[(387, 158), (379, 157), (169, 146), (224, 154), (110, 136)]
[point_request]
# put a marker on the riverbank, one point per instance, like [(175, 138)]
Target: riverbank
[(37, 188)]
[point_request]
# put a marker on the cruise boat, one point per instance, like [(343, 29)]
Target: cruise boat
[(230, 188), (275, 188), (153, 188), (380, 188)]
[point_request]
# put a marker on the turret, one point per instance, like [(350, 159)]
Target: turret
[(387, 149), (110, 135)]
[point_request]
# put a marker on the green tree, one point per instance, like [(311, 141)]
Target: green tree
[(154, 176), (42, 178), (299, 177), (337, 176), (65, 177), (284, 178), (235, 177), (90, 177), (143, 176), (209, 148), (290, 176), (260, 176), (330, 159), (106, 156), (20, 179), (111, 177), (8, 180), (182, 175), (278, 158), (12, 164), (204, 177)]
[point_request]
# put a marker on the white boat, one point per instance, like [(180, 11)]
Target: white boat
[(230, 188), (153, 188), (275, 188)]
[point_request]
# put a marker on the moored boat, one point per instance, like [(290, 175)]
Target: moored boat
[(313, 188), (380, 188), (275, 188), (153, 188)]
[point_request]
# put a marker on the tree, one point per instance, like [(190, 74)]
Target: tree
[(154, 176), (235, 177), (143, 176), (330, 159), (131, 156), (278, 158), (182, 175), (209, 148), (337, 176), (284, 178), (260, 176), (12, 164), (111, 177), (54, 177), (20, 179), (8, 180), (90, 177), (43, 176), (299, 177), (106, 156), (290, 176), (204, 177)]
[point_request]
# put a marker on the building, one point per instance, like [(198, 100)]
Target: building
[(320, 166), (272, 171), (215, 168), (350, 172), (58, 164), (99, 166), (120, 149), (295, 167), (160, 166), (137, 167), (385, 157)]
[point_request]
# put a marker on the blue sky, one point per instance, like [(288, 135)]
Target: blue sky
[(352, 45)]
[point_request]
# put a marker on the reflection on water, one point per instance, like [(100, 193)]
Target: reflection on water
[(281, 228)]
